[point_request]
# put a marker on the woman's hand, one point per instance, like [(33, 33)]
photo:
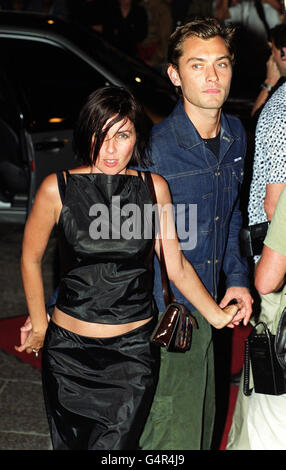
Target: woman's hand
[(43, 217), (32, 341), (25, 332), (230, 316)]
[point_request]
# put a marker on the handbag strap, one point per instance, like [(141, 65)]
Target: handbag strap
[(246, 390), (266, 330), (167, 291)]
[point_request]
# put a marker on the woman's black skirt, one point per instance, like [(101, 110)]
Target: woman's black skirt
[(98, 391)]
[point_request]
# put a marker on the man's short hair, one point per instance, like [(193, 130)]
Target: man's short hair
[(203, 28), (278, 36)]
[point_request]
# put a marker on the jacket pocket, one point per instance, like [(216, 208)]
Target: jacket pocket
[(238, 173)]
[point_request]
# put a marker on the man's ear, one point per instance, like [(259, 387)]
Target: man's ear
[(173, 73)]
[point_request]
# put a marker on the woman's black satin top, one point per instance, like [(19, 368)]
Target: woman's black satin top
[(106, 240)]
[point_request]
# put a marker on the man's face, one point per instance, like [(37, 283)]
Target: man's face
[(204, 73), (280, 61)]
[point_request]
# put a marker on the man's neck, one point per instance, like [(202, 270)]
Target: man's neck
[(206, 121)]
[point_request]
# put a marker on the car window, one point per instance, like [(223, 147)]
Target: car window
[(155, 92), (9, 111), (54, 81)]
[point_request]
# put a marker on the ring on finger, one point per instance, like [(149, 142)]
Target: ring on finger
[(36, 351)]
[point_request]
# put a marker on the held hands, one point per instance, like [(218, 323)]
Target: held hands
[(228, 316), (244, 305)]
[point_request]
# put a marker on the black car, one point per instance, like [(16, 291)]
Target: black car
[(48, 68)]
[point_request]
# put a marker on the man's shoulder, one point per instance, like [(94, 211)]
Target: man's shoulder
[(234, 123), (170, 122), (163, 127)]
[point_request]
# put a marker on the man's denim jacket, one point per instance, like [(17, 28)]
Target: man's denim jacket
[(211, 185)]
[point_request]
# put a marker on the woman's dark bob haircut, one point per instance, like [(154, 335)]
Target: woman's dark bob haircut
[(103, 104)]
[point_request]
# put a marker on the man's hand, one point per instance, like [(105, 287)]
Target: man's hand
[(243, 297)]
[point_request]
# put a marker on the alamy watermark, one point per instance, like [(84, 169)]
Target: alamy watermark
[(131, 222)]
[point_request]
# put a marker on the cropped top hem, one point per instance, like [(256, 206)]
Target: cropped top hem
[(148, 314)]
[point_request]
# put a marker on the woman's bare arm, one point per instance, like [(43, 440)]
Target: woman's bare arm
[(38, 228)]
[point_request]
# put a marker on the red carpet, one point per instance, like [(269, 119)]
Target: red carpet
[(10, 336), (231, 404)]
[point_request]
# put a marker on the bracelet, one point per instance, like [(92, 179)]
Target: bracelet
[(265, 86)]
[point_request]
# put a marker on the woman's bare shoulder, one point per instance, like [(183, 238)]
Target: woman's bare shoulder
[(49, 185), (161, 187), (48, 192), (159, 180)]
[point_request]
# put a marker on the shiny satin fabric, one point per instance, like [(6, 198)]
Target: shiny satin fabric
[(98, 391), (107, 279)]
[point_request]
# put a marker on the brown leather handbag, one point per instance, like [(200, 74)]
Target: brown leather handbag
[(175, 326)]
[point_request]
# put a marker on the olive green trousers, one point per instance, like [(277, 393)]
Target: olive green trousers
[(183, 410)]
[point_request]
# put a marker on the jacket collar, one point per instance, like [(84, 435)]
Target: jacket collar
[(186, 133)]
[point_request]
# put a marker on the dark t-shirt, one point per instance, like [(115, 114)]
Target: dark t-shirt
[(213, 144)]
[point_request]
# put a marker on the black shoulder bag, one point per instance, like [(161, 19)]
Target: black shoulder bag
[(266, 354)]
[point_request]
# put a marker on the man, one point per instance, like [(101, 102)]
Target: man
[(200, 151), (268, 181)]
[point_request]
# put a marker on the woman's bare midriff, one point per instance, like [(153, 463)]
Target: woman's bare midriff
[(94, 330)]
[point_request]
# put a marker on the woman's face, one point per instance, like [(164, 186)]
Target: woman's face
[(117, 148)]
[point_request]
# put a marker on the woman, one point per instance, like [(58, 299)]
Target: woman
[(99, 368)]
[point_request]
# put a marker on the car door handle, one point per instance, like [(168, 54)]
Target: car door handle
[(47, 145)]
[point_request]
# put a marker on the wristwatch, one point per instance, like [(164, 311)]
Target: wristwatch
[(265, 86)]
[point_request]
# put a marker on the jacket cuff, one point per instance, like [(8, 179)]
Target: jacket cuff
[(237, 280)]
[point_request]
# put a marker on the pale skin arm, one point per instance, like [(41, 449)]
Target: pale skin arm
[(181, 272), (273, 192), (36, 235), (271, 268), (272, 77), (270, 271)]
